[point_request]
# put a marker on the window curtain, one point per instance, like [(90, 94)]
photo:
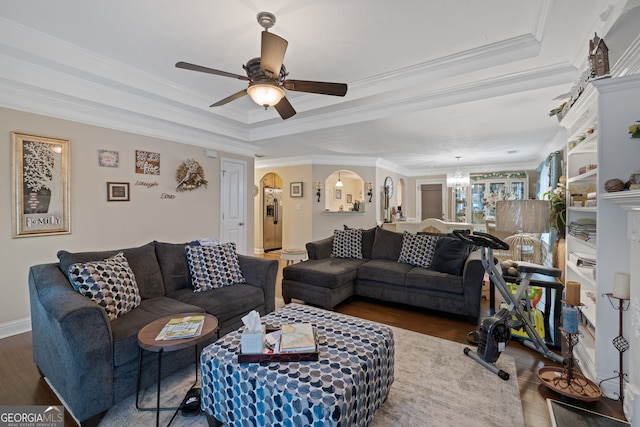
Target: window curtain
[(549, 173)]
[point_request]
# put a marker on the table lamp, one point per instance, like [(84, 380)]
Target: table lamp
[(527, 219)]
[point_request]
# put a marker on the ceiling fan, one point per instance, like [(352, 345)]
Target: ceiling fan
[(267, 75)]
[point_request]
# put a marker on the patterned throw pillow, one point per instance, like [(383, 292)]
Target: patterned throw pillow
[(347, 244), (110, 283), (418, 249), (213, 267)]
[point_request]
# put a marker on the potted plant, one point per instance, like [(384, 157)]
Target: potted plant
[(558, 206)]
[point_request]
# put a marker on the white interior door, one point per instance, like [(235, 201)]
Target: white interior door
[(233, 203)]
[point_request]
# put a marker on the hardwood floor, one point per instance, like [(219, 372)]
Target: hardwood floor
[(21, 383)]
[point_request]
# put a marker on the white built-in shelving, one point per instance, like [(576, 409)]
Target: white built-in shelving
[(597, 139)]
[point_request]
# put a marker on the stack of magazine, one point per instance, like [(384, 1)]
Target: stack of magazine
[(181, 327), (583, 230)]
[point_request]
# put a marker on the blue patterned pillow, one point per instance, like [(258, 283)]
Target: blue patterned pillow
[(347, 244), (110, 283), (418, 249), (213, 267)]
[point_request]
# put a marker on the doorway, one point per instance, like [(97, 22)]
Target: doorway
[(272, 218), (233, 203), (431, 201)]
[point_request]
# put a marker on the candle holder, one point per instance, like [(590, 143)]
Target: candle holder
[(619, 342), (567, 380)]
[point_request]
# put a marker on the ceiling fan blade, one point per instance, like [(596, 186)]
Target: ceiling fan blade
[(324, 88), (193, 67), (285, 109), (228, 99), (272, 54)]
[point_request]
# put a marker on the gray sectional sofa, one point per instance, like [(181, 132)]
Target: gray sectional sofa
[(92, 361), (452, 282)]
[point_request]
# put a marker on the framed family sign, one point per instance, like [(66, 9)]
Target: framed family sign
[(40, 182)]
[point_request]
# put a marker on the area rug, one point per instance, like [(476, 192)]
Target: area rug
[(435, 384), (565, 415)]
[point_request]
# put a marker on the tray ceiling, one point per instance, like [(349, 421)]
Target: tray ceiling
[(428, 81)]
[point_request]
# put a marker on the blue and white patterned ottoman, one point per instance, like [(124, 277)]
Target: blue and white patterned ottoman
[(344, 387)]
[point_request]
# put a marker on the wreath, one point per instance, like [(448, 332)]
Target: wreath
[(190, 176)]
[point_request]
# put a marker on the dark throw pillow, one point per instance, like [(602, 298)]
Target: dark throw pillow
[(386, 245), (450, 255)]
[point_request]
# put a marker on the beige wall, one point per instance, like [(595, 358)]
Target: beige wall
[(296, 211), (95, 223), (324, 223), (378, 191), (304, 217)]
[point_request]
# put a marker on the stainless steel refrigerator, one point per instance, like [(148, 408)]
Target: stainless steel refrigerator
[(272, 219)]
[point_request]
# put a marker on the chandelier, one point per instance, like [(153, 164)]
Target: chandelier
[(458, 179)]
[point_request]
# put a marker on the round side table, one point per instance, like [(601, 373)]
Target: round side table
[(294, 255), (147, 341)]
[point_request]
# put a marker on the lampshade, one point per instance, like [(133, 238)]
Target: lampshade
[(339, 183), (265, 94), (522, 216)]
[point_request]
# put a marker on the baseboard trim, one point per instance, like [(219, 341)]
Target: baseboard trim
[(15, 327)]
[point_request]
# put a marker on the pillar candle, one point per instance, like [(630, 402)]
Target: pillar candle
[(621, 285), (572, 293), (570, 319)]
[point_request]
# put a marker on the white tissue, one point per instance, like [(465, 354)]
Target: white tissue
[(251, 321)]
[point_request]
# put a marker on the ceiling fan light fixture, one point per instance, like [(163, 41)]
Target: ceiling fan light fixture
[(265, 94)]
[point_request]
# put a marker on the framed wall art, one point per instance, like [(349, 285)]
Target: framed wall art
[(147, 163), (338, 194), (117, 191), (108, 159), (40, 183), (295, 189)]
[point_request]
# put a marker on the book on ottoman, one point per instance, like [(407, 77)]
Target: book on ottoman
[(297, 337)]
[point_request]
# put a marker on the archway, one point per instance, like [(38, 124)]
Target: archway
[(343, 191), (271, 208)]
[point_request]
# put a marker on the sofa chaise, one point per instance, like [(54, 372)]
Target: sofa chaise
[(429, 270), (90, 356)]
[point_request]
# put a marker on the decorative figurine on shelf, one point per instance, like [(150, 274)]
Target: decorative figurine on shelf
[(599, 57)]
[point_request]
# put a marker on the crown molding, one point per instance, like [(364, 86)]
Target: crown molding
[(53, 104), (387, 105), (629, 62), (379, 163), (316, 160), (472, 60)]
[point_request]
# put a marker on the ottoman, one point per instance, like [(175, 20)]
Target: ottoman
[(344, 387)]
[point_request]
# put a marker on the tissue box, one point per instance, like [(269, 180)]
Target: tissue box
[(252, 343)]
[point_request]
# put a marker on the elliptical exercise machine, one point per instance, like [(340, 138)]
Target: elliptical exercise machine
[(495, 331)]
